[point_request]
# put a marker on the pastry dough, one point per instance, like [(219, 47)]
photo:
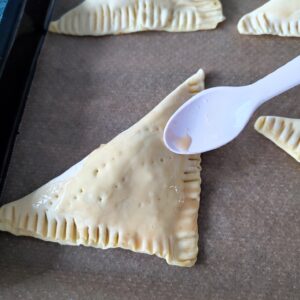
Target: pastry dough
[(277, 17), (131, 193), (101, 17), (284, 132)]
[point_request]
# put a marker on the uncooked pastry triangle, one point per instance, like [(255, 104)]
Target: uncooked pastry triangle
[(277, 17), (131, 193), (101, 17), (284, 132)]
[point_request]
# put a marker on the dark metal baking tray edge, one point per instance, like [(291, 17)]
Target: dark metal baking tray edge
[(27, 37)]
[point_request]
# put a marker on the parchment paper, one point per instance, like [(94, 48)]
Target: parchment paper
[(87, 90)]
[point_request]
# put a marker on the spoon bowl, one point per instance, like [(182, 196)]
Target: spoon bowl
[(211, 119)]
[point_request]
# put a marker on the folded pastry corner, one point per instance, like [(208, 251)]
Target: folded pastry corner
[(102, 17), (284, 132), (276, 17), (131, 193)]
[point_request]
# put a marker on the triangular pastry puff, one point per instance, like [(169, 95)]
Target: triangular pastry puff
[(131, 193), (284, 132), (101, 17), (277, 17)]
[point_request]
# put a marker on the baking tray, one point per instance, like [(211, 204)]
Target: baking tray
[(22, 31), (85, 91)]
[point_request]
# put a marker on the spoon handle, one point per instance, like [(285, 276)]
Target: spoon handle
[(278, 82)]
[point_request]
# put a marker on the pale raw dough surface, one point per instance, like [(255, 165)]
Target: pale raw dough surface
[(131, 193), (276, 17), (102, 17), (284, 132)]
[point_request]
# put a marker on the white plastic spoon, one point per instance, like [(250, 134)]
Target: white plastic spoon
[(216, 116)]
